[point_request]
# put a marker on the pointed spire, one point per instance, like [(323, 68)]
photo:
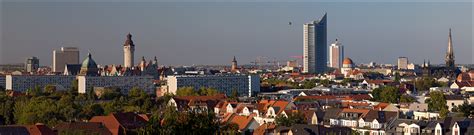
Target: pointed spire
[(450, 44), (450, 52), (234, 60)]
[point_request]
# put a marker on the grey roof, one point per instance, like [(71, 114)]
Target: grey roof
[(332, 113), (13, 130), (73, 69)]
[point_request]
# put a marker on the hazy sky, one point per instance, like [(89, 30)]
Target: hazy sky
[(186, 33)]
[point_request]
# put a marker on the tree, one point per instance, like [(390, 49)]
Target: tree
[(293, 118), (91, 110), (36, 91), (437, 102), (37, 110), (426, 83), (49, 88), (68, 108), (207, 91), (74, 87), (346, 80), (6, 109), (397, 77), (325, 82), (407, 99), (466, 110), (309, 84), (186, 91), (388, 94), (234, 95)]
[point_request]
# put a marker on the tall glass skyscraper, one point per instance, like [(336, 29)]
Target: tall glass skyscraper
[(315, 46)]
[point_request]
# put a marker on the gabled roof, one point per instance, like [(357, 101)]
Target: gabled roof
[(115, 121), (262, 129), (381, 106), (332, 113), (39, 129), (324, 97), (242, 121), (87, 127), (381, 116)]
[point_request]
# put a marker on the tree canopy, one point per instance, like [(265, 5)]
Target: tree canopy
[(293, 118), (437, 102)]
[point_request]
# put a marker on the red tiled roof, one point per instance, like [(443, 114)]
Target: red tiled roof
[(88, 127), (117, 123), (347, 104), (324, 97), (381, 106), (263, 128), (39, 129), (242, 121)]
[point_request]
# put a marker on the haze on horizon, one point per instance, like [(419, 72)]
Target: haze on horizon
[(187, 33)]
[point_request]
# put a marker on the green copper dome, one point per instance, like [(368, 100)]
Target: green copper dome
[(89, 63)]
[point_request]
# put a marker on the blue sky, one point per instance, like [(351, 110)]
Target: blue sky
[(186, 33)]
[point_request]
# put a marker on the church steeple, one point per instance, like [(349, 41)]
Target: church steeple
[(450, 52), (234, 65)]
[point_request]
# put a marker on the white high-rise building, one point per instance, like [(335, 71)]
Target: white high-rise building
[(315, 46), (67, 55), (128, 52), (402, 63), (336, 54)]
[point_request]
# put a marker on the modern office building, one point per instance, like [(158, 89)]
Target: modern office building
[(31, 64), (67, 55), (402, 63), (245, 85), (315, 46), (336, 54), (128, 52)]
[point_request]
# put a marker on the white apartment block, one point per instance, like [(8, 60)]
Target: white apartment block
[(244, 84), (25, 82), (124, 83)]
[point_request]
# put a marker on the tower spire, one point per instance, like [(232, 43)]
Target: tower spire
[(450, 52)]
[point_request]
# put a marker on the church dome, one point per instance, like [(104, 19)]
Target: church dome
[(89, 67), (347, 61), (88, 62)]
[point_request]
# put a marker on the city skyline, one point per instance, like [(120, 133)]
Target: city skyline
[(172, 46)]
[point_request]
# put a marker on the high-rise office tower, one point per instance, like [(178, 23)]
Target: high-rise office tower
[(31, 64), (67, 55), (128, 52), (336, 54), (450, 53), (402, 63), (315, 46)]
